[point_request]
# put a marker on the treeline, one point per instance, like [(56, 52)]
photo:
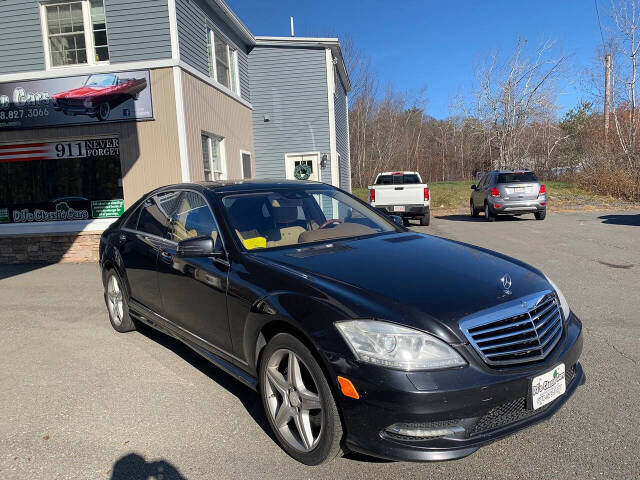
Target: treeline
[(509, 118)]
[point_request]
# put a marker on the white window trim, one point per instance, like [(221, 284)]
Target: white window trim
[(247, 152), (231, 47), (288, 162), (88, 35), (223, 155)]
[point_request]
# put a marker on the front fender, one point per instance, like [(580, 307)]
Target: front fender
[(310, 318)]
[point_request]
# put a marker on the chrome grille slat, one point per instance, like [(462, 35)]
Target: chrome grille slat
[(541, 314), (550, 316), (508, 344), (542, 332), (529, 330), (521, 331), (551, 336), (494, 329)]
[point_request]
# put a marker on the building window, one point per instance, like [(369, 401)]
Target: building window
[(223, 61), (75, 33), (213, 158), (63, 180), (246, 164)]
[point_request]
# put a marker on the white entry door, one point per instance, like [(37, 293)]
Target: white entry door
[(305, 164)]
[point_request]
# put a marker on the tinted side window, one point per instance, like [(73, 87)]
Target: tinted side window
[(152, 219), (193, 218), (132, 221)]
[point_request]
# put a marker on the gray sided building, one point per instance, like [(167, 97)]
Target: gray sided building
[(104, 100), (300, 108)]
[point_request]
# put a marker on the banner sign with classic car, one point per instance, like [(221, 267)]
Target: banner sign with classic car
[(95, 98)]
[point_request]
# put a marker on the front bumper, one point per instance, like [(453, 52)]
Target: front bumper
[(488, 403)]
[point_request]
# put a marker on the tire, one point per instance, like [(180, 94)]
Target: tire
[(425, 219), (104, 110), (541, 215), (472, 208), (488, 216), (405, 222), (322, 424), (119, 316)]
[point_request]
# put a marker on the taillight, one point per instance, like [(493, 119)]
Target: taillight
[(426, 194), (543, 190), (495, 192), (372, 195)]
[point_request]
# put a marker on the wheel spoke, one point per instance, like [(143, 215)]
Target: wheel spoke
[(303, 425), (310, 400), (277, 381), (294, 376), (284, 415)]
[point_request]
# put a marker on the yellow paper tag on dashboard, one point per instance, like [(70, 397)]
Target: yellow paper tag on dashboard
[(256, 242)]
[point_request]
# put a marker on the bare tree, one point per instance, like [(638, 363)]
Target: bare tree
[(511, 95)]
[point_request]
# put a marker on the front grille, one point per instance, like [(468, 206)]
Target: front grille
[(528, 336), (513, 411)]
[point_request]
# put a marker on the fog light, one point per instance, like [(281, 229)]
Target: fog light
[(424, 430)]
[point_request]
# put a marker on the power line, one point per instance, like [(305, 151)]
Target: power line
[(595, 2)]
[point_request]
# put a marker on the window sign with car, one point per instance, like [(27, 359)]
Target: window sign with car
[(74, 179), (294, 288), (96, 98)]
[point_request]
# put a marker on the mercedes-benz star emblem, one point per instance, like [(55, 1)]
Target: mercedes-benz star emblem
[(506, 283)]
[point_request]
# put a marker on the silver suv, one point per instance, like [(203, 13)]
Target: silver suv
[(512, 192)]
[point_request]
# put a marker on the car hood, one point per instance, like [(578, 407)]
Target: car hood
[(83, 92), (421, 277)]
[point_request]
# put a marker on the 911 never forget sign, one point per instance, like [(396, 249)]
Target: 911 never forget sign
[(95, 98)]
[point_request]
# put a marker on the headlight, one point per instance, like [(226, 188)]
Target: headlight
[(390, 345), (566, 311)]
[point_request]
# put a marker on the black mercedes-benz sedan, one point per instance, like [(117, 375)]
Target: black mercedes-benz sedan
[(357, 333)]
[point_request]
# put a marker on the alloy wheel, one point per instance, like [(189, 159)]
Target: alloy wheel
[(114, 300), (293, 400)]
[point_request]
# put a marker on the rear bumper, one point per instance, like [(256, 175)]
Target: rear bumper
[(483, 404), (409, 210), (518, 206)]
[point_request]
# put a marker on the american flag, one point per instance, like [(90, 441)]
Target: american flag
[(27, 152)]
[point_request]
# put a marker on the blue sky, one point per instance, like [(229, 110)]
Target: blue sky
[(436, 43)]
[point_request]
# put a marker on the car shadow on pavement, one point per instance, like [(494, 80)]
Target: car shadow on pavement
[(250, 399), (135, 467), (630, 220), (469, 218)]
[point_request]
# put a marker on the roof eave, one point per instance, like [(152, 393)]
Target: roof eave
[(228, 14)]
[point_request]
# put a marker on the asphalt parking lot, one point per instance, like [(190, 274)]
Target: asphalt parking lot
[(81, 401)]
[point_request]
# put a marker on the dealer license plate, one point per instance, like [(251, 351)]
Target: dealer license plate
[(547, 387), (398, 208)]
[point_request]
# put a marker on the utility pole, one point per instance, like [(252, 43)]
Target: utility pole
[(607, 95)]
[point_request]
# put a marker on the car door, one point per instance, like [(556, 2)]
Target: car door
[(194, 289), (475, 194), (140, 242)]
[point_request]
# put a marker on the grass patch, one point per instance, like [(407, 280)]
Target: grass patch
[(455, 195)]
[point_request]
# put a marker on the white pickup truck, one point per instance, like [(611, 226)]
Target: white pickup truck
[(402, 194)]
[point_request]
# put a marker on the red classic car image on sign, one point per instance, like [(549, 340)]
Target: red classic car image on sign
[(100, 94), (95, 98)]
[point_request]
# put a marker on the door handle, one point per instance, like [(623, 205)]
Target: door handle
[(166, 256)]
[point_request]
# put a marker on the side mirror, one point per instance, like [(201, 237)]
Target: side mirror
[(397, 219), (473, 187), (197, 247)]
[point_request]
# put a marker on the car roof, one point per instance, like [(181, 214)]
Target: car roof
[(242, 185)]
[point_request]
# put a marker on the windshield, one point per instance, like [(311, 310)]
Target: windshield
[(516, 177), (105, 80), (398, 179), (298, 216)]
